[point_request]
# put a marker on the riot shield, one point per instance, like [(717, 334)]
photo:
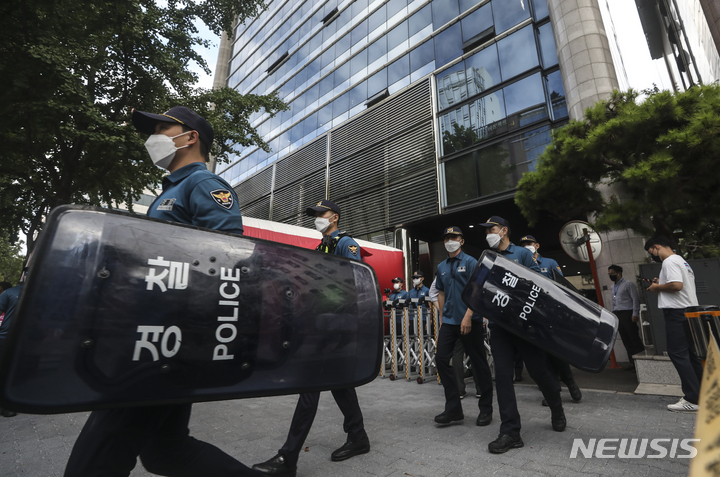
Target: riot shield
[(533, 307), (122, 310)]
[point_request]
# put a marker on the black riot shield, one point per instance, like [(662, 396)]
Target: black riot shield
[(533, 307), (122, 310)]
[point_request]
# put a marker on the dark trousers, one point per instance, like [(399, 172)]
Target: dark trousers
[(504, 345), (518, 365), (111, 441), (458, 365), (304, 416), (629, 333), (561, 369), (687, 364), (473, 343)]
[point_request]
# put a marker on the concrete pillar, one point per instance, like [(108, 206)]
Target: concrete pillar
[(222, 69), (711, 8), (583, 52)]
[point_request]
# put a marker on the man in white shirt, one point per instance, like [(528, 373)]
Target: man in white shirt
[(676, 291)]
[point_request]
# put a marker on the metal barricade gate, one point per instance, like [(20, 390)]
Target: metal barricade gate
[(427, 333), (386, 365)]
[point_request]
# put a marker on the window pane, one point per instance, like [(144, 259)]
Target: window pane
[(420, 20), (517, 53), (525, 101), (509, 13), (377, 18), (448, 45), (443, 11), (556, 91), (313, 68), (397, 35), (466, 5), (526, 148), (360, 32), (377, 82), (456, 130), (394, 6), (301, 76), (421, 55), (477, 22), (482, 70), (547, 46), (377, 49), (358, 95), (399, 69), (487, 116), (343, 19), (325, 117), (541, 9), (358, 6), (461, 179), (343, 45), (328, 56), (298, 104), (315, 41), (326, 84), (452, 86), (312, 94), (358, 62), (342, 74)]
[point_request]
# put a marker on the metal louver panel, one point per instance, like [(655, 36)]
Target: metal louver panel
[(307, 160), (258, 210), (382, 121), (292, 200), (254, 187)]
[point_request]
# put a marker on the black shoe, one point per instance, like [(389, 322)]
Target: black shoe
[(544, 403), (351, 449), (462, 396), (504, 443), (276, 466), (558, 421), (518, 378), (484, 418), (5, 413), (447, 417), (575, 392)]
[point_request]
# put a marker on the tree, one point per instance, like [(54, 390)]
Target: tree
[(72, 71), (11, 260), (661, 155)]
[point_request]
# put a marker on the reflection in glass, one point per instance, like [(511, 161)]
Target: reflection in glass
[(421, 56), (487, 116), (557, 95), (479, 173), (377, 19), (397, 35), (394, 6), (359, 32), (547, 46), (325, 118), (482, 70), (526, 148), (358, 95), (420, 20), (509, 13), (541, 9), (466, 5), (476, 23), (455, 129), (525, 101), (443, 11), (399, 69), (377, 82), (452, 86), (377, 50), (448, 45), (517, 53)]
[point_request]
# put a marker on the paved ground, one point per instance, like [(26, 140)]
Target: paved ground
[(405, 440)]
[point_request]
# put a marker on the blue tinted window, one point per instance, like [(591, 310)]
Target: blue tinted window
[(556, 91), (296, 133), (343, 45), (541, 9), (358, 95), (377, 49), (547, 46), (420, 20), (300, 77), (482, 70), (524, 95), (328, 57), (448, 45), (477, 22), (399, 69), (312, 94), (443, 11), (298, 104), (313, 68), (315, 41), (341, 104), (342, 74), (397, 35), (325, 117), (452, 86), (466, 5), (509, 13), (358, 6), (377, 82), (343, 19), (487, 116), (326, 85), (394, 6), (360, 32), (421, 55), (517, 53), (377, 18), (358, 62)]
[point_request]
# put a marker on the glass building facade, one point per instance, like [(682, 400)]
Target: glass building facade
[(492, 77)]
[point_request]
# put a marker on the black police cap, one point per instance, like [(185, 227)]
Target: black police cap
[(322, 206), (146, 122), (495, 220)]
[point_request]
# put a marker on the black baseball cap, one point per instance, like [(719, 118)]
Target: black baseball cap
[(145, 122), (398, 280), (323, 206), (528, 238), (495, 220), (452, 231), (418, 274)]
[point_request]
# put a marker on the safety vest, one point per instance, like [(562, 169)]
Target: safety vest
[(329, 243)]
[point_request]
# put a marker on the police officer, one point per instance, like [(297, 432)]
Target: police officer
[(111, 440), (549, 268), (327, 216), (459, 323), (504, 345), (398, 292), (8, 301), (418, 291)]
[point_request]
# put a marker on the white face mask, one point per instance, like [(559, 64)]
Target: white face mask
[(396, 286), (531, 248), (493, 240), (322, 224), (452, 246), (417, 282), (162, 149)]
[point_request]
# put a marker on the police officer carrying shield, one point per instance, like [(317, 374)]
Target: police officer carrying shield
[(549, 268), (459, 323), (111, 440), (327, 216), (504, 345)]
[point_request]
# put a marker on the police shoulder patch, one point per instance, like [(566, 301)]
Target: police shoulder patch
[(353, 249), (223, 198)]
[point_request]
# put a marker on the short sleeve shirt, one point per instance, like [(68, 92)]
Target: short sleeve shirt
[(452, 276), (195, 196), (547, 265), (676, 269), (347, 247), (520, 255)]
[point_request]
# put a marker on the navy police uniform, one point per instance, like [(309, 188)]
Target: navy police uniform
[(547, 265), (504, 347), (452, 275), (111, 440), (346, 399)]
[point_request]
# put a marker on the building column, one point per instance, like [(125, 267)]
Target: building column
[(711, 8), (222, 70), (583, 52)]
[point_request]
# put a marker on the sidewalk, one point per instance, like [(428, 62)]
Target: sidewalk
[(405, 440)]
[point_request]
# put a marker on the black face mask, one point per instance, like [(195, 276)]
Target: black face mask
[(655, 258), (613, 277)]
